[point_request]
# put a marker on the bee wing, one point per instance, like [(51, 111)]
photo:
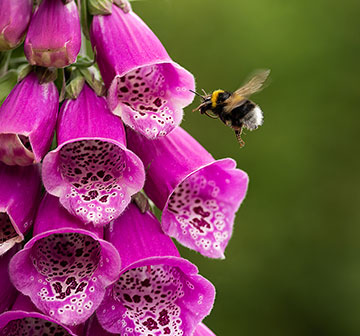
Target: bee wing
[(255, 84)]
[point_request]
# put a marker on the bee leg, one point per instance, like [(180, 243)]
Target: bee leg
[(211, 116), (204, 92), (238, 137)]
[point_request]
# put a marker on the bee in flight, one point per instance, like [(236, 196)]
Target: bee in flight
[(234, 108)]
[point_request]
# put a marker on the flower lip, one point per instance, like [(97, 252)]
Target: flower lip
[(204, 211), (97, 191)]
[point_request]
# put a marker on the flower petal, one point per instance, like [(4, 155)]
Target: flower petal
[(199, 196), (146, 88), (20, 189), (65, 268), (91, 170), (27, 121), (203, 330), (158, 292)]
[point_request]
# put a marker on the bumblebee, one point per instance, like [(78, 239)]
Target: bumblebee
[(234, 109)]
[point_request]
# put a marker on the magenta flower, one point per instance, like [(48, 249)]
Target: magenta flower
[(25, 319), (158, 292), (93, 327), (91, 170), (14, 20), (8, 292), (198, 195), (54, 36), (146, 88), (19, 197), (27, 121), (64, 268)]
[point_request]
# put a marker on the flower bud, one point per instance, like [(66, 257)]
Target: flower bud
[(14, 20), (54, 36)]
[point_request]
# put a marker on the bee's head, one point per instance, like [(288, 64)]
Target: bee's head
[(206, 103)]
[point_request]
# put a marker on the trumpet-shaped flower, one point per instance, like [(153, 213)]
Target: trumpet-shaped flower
[(158, 292), (64, 268), (54, 36), (27, 121), (198, 194), (146, 88), (91, 170)]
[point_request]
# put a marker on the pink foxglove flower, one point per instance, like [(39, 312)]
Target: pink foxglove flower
[(19, 197), (8, 292), (93, 327), (91, 170), (25, 319), (146, 88), (198, 194), (54, 36), (14, 20), (27, 121), (64, 268), (158, 292)]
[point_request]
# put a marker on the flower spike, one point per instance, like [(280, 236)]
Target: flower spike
[(27, 121), (54, 36), (146, 88), (198, 194), (64, 268), (91, 170), (158, 292)]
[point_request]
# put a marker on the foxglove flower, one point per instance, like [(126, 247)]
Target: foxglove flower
[(54, 36), (64, 268), (19, 197), (198, 194), (146, 88), (14, 20), (8, 292), (158, 292), (25, 320), (91, 170), (27, 121)]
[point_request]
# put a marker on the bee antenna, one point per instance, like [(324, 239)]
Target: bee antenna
[(198, 94)]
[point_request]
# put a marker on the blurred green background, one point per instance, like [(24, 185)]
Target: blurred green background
[(293, 264)]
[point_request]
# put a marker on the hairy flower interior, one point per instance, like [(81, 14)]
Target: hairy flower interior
[(95, 170), (152, 298), (145, 91), (197, 206), (66, 262), (33, 326), (16, 150)]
